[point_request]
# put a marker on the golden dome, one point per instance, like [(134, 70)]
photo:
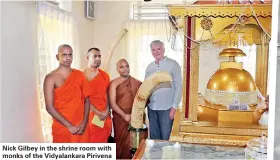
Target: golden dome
[(233, 80)]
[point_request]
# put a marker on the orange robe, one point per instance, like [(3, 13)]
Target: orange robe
[(69, 101), (98, 99), (125, 94)]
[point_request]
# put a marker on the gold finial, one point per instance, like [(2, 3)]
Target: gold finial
[(232, 53)]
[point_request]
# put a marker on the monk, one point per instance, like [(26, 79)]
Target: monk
[(122, 92), (66, 93), (99, 82)]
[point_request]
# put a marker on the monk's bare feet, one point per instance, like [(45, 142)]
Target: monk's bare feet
[(73, 129)]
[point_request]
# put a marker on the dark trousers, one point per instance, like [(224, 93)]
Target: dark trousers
[(160, 124)]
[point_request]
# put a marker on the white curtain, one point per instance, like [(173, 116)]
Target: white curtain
[(140, 34), (55, 27)]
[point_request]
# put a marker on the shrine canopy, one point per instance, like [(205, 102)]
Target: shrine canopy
[(226, 13), (223, 8)]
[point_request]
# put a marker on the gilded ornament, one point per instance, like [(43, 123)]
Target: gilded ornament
[(206, 23)]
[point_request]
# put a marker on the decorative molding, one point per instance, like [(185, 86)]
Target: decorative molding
[(224, 10)]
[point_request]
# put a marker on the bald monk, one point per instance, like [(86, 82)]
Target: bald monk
[(122, 92), (66, 92), (99, 82)]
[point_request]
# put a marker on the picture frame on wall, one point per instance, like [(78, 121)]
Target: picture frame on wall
[(90, 9)]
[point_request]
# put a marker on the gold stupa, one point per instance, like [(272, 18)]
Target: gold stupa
[(231, 81)]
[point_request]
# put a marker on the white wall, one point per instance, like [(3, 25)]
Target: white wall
[(111, 17), (20, 117), (85, 30), (277, 104), (277, 98)]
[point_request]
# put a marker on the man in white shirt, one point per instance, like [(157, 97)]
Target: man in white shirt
[(166, 97)]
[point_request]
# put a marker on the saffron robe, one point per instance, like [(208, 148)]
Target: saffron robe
[(69, 102), (98, 98), (125, 94)]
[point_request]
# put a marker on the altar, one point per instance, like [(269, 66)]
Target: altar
[(210, 91), (222, 102)]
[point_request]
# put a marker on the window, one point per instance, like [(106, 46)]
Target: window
[(62, 4), (65, 5), (148, 11)]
